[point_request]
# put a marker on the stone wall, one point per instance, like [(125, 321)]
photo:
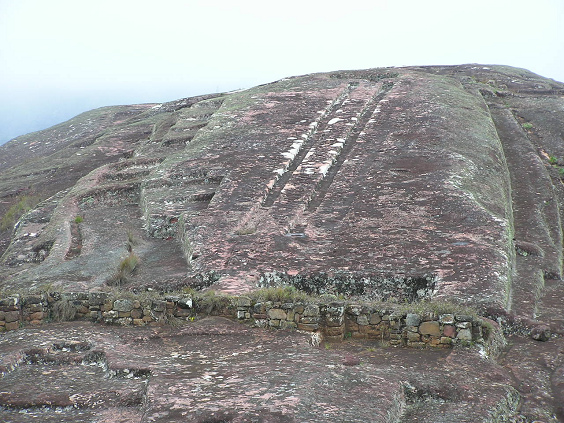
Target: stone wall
[(339, 320), (335, 321)]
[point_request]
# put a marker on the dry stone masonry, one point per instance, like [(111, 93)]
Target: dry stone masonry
[(335, 321)]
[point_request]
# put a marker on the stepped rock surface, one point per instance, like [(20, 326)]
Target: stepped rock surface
[(400, 184)]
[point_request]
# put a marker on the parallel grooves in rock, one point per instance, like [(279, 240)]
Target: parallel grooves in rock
[(321, 190), (309, 142)]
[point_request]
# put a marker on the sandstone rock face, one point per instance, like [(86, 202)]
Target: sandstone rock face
[(400, 183), (386, 183)]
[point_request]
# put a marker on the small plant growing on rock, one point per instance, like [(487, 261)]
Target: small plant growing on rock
[(552, 160), (131, 241), (527, 125), (125, 269)]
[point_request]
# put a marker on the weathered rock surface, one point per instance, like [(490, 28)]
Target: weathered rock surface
[(397, 183), (218, 370)]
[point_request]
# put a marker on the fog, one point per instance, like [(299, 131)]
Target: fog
[(59, 58)]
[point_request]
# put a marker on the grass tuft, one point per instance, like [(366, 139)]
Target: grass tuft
[(283, 294), (24, 204), (63, 310)]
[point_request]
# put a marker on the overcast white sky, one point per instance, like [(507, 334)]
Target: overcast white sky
[(59, 58)]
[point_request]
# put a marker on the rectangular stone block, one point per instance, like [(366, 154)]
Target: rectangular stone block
[(12, 325), (277, 314), (375, 318), (449, 330), (430, 328), (464, 335), (413, 337), (136, 313), (463, 325), (310, 327), (446, 319), (35, 308), (36, 316), (334, 320), (311, 310), (12, 316), (362, 320)]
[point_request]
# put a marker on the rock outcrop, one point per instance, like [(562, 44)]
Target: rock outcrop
[(401, 184)]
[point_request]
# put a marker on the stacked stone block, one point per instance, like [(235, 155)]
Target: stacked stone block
[(336, 320), (10, 313)]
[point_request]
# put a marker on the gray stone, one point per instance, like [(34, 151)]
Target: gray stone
[(12, 316), (464, 325), (124, 305), (159, 305), (354, 309), (334, 321), (362, 320), (375, 319), (311, 310), (112, 314), (446, 319), (541, 333), (243, 301), (464, 335), (413, 337), (276, 313), (185, 302), (412, 319)]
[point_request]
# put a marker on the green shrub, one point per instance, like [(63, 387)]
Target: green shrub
[(78, 220), (527, 125), (552, 160)]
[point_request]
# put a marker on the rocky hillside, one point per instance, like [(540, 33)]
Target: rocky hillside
[(400, 183)]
